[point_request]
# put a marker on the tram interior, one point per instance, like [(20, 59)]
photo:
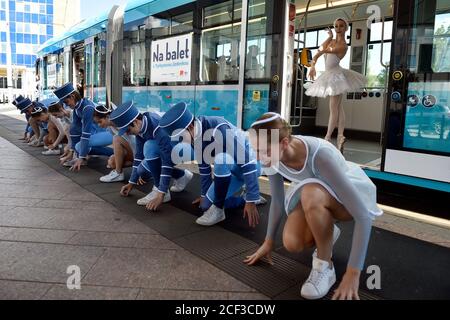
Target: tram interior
[(364, 110)]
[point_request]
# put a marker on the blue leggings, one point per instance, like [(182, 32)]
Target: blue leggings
[(152, 164), (224, 165), (98, 144)]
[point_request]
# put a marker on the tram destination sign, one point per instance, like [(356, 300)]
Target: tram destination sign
[(171, 59)]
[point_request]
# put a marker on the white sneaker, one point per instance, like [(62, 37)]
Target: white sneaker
[(145, 200), (212, 216), (181, 183), (336, 234), (113, 176), (32, 142), (54, 152), (320, 280)]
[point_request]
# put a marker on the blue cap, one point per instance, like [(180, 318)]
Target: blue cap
[(176, 120), (64, 91), (17, 100), (24, 104), (123, 116), (48, 102)]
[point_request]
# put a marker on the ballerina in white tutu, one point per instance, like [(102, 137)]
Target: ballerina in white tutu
[(335, 80)]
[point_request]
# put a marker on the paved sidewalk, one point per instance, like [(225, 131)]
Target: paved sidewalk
[(48, 223)]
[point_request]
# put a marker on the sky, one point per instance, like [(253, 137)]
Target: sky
[(91, 8)]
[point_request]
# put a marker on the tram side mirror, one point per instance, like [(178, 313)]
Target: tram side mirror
[(305, 57)]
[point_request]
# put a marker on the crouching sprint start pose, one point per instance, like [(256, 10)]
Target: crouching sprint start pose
[(324, 188), (153, 155), (213, 140), (86, 137)]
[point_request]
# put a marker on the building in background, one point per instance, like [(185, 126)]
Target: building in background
[(24, 26)]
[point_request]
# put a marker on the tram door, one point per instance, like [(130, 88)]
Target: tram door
[(368, 38), (94, 75), (418, 122), (78, 67)]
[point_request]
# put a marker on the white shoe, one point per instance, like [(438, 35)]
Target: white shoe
[(212, 216), (320, 280), (145, 200), (113, 176), (32, 141), (45, 147), (181, 183), (336, 234), (54, 152)]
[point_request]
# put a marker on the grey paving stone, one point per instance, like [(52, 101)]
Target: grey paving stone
[(124, 240), (26, 217), (60, 292), (192, 273), (20, 202), (44, 262), (34, 182), (87, 221), (132, 268), (168, 221), (151, 241), (19, 290), (35, 235), (5, 209), (81, 196), (134, 226), (72, 204)]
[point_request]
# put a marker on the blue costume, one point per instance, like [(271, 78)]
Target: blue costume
[(25, 105), (86, 136), (234, 161), (16, 103), (153, 147)]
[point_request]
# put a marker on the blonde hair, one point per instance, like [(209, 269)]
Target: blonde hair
[(278, 124)]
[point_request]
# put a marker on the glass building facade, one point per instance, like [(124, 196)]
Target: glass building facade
[(30, 25)]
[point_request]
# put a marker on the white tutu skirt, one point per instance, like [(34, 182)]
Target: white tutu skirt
[(336, 81)]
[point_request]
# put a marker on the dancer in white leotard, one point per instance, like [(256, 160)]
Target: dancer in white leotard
[(335, 80), (324, 188)]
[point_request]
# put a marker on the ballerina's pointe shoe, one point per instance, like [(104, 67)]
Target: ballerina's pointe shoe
[(340, 144)]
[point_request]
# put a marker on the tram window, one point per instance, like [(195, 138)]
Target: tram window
[(258, 60), (60, 70), (256, 8), (100, 62), (375, 72), (222, 13), (51, 72), (182, 23), (441, 43), (157, 27), (135, 50), (375, 31), (220, 54)]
